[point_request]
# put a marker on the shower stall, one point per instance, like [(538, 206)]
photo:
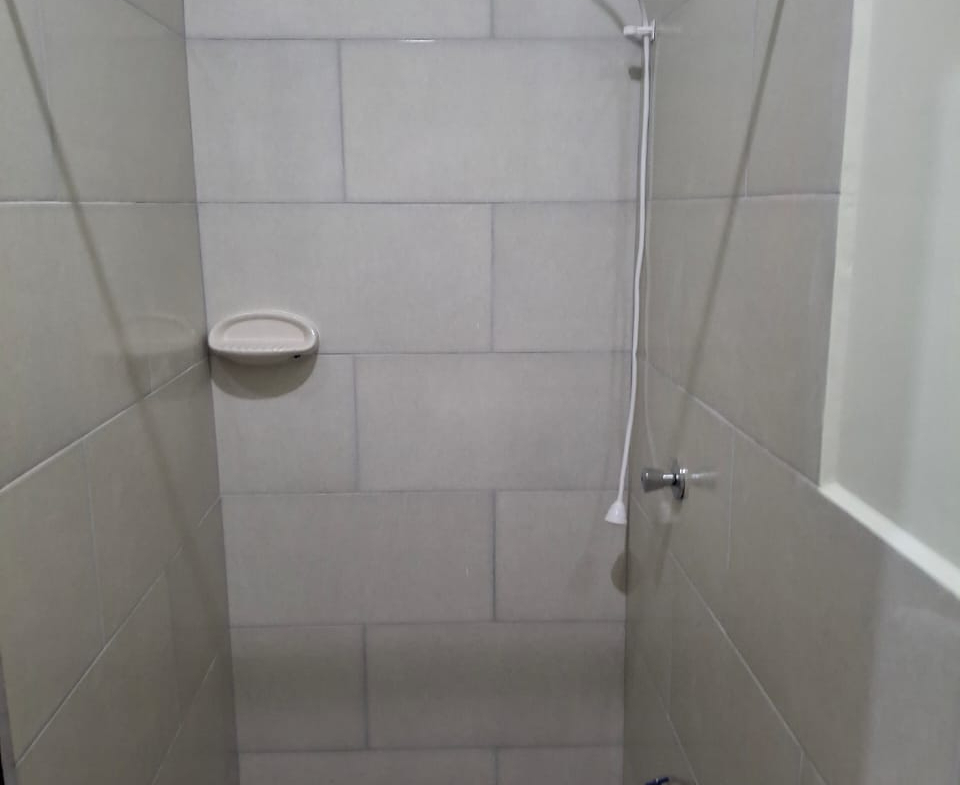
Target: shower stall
[(329, 330)]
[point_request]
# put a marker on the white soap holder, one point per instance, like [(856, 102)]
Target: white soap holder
[(264, 338)]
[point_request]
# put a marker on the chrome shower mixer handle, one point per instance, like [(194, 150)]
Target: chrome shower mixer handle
[(675, 480)]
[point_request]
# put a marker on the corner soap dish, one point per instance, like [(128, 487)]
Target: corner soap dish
[(263, 337)]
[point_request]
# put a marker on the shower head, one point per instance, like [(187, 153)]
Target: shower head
[(617, 514)]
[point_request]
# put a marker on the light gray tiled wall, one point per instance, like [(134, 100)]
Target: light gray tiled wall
[(113, 597), (770, 637), (421, 584)]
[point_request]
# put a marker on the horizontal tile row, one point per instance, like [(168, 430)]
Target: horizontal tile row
[(370, 767), (266, 120), (89, 531), (468, 121), (428, 278), (301, 559), (805, 610), (102, 122), (422, 422), (428, 686), (406, 18), (100, 304), (496, 421), (497, 120), (560, 766), (299, 688), (536, 766), (304, 559), (374, 278), (91, 88), (499, 684)]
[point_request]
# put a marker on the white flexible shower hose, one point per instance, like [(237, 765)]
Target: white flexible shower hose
[(617, 513)]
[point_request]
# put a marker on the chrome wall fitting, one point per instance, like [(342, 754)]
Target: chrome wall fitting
[(675, 480)]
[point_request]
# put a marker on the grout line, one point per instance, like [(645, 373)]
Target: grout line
[(683, 750), (493, 275), (738, 654), (403, 491), (420, 202), (96, 660), (738, 431), (665, 710), (196, 199), (493, 19), (484, 621), (158, 20), (171, 615), (385, 355), (437, 748), (343, 135), (8, 772), (422, 38), (732, 472), (493, 556), (496, 766), (95, 203), (106, 642), (60, 452), (186, 713), (799, 196), (356, 428), (84, 459), (366, 689)]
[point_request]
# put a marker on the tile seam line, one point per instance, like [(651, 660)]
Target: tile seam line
[(612, 622), (665, 708), (185, 714), (344, 189), (100, 655), (421, 37), (421, 491), (420, 200), (60, 452), (738, 431), (412, 202), (105, 640), (416, 201), (741, 659), (444, 748), (380, 353), (180, 35)]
